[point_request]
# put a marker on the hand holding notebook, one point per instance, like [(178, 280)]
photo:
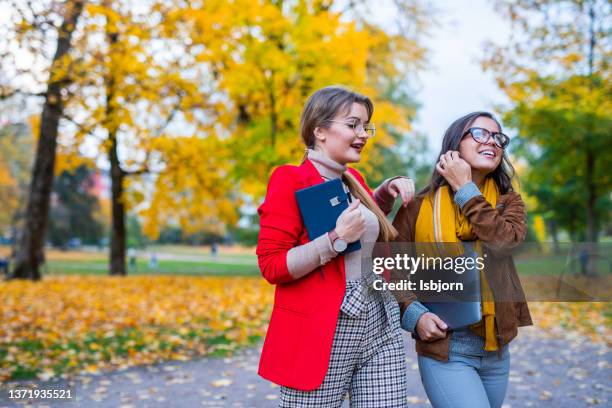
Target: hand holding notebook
[(351, 223), (321, 205)]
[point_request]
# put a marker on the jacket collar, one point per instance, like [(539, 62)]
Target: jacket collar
[(309, 171)]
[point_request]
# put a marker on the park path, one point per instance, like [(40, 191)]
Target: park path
[(545, 372)]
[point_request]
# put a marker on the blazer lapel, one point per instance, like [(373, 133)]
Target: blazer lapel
[(309, 173)]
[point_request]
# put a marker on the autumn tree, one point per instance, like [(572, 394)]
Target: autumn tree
[(130, 75), (260, 61), (190, 105), (266, 57), (33, 29), (138, 78), (555, 72)]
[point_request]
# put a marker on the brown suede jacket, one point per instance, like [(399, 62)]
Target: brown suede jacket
[(500, 229)]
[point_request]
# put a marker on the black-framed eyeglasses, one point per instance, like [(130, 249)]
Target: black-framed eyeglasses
[(358, 127), (482, 136)]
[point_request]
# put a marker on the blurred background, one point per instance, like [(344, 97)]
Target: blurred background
[(137, 138)]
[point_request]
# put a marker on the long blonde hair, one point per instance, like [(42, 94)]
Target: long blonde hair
[(322, 107)]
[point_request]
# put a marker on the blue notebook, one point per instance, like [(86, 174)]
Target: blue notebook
[(321, 205), (456, 314), (462, 313)]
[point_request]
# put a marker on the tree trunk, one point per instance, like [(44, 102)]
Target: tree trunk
[(592, 227), (273, 114), (554, 233), (118, 230), (591, 213), (118, 235), (29, 255)]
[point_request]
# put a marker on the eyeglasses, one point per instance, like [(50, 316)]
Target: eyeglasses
[(482, 136), (358, 127)]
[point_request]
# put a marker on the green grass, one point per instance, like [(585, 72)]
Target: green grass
[(165, 267), (199, 262), (198, 251), (553, 265), (245, 267)]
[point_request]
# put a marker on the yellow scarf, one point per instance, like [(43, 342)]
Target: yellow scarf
[(441, 220)]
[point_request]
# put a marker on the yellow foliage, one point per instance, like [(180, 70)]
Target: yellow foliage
[(85, 323), (539, 227), (15, 168), (194, 190), (35, 126), (592, 319), (236, 74), (70, 161), (9, 196), (268, 59), (136, 75), (103, 214), (73, 324)]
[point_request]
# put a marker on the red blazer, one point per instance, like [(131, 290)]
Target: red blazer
[(299, 339)]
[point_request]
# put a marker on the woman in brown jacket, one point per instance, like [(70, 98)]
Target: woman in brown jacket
[(469, 199)]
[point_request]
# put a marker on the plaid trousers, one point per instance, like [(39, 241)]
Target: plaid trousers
[(367, 359)]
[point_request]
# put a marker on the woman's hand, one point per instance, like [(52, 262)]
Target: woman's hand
[(402, 186), (454, 169), (430, 327), (351, 223)]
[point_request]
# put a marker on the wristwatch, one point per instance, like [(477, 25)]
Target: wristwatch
[(338, 243)]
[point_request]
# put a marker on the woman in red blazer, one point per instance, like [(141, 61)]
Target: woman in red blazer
[(330, 332)]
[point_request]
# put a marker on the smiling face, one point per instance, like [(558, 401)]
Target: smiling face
[(338, 140), (483, 158)]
